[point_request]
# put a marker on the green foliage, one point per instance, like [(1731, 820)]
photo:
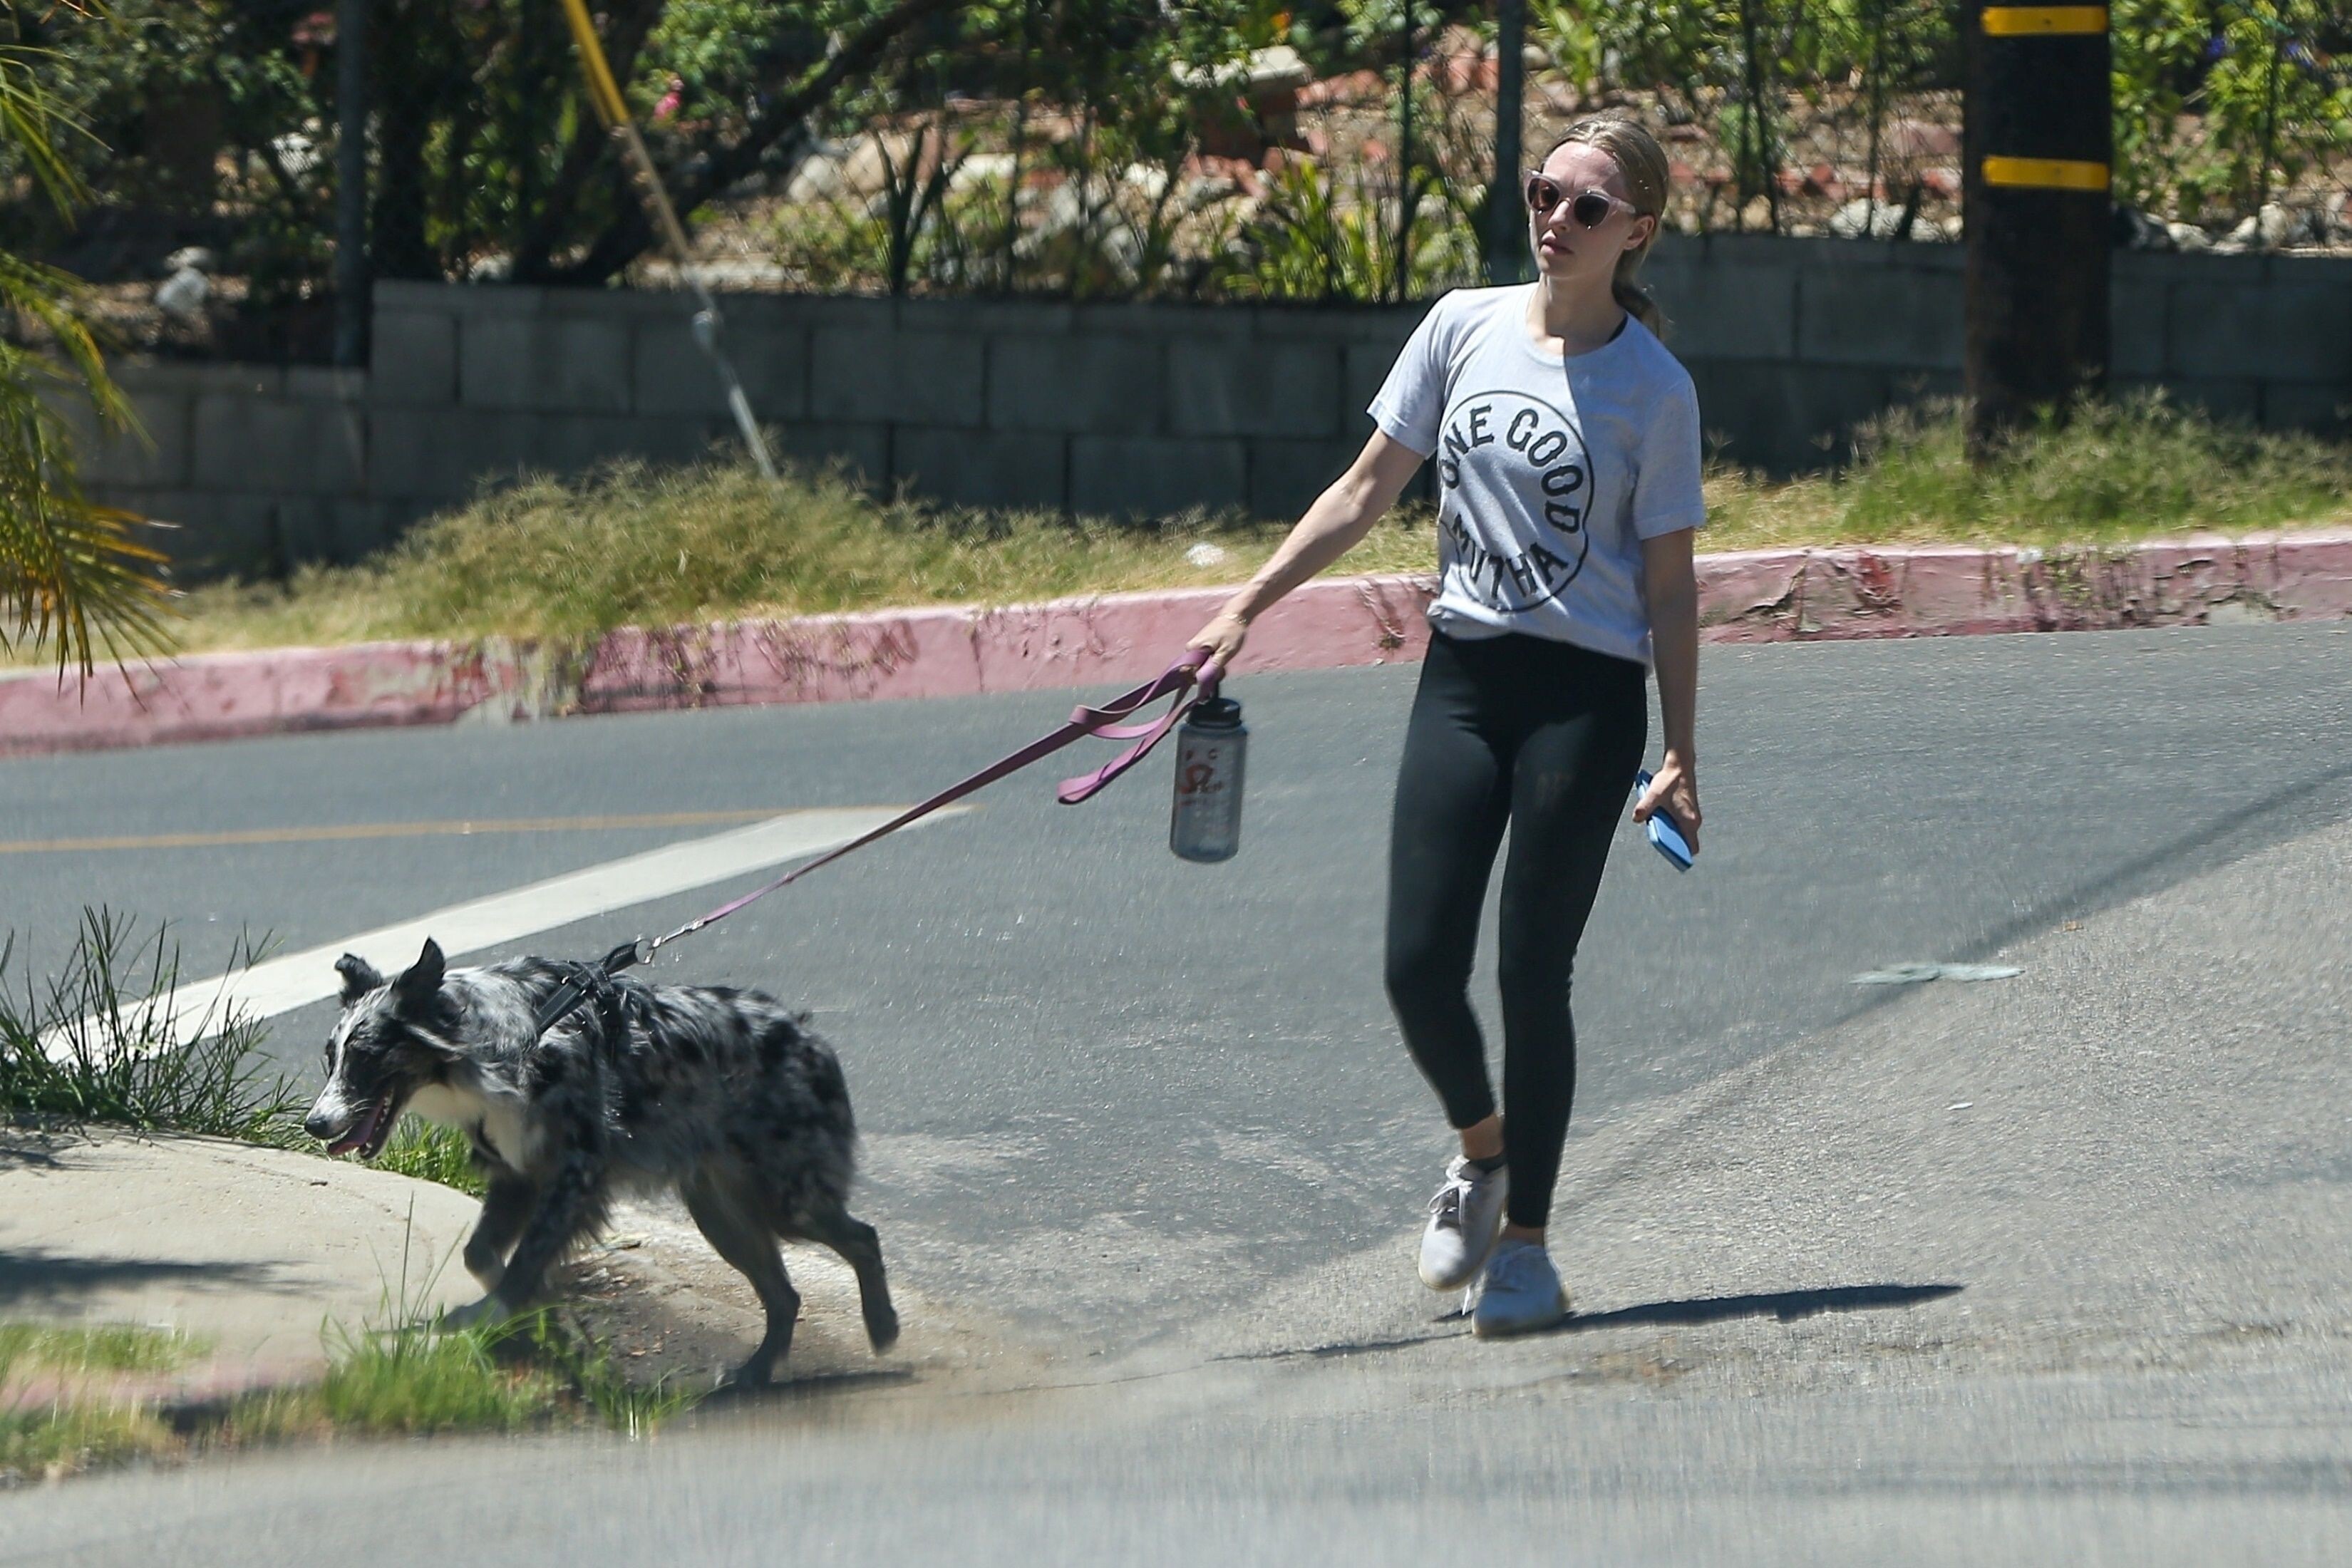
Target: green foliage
[(168, 89), (413, 1379), (1315, 240), (96, 1043), (431, 1152), (1648, 43), (2219, 106), (635, 545), (584, 1367), (71, 575), (712, 54)]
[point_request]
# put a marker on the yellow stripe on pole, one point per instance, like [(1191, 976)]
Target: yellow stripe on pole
[(603, 90), (2037, 21), (2045, 173)]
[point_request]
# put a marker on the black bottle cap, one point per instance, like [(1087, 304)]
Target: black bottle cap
[(1215, 713)]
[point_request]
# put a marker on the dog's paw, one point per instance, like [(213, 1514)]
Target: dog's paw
[(749, 1378), (483, 1313)]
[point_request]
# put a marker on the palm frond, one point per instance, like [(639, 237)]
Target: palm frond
[(46, 295), (73, 574), (33, 123)]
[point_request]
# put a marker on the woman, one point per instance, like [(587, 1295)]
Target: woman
[(1567, 441)]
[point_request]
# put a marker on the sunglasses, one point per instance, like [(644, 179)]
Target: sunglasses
[(1590, 208)]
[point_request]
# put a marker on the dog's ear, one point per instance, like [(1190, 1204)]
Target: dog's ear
[(421, 980), (359, 977)]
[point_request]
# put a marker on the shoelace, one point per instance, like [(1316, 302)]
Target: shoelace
[(1446, 1204)]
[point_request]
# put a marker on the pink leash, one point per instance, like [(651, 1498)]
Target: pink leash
[(1190, 680)]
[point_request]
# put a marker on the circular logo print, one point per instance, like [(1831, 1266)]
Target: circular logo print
[(1516, 447)]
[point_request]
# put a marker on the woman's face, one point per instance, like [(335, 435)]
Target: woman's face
[(1566, 252)]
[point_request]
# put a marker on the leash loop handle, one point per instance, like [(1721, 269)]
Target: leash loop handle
[(1192, 679)]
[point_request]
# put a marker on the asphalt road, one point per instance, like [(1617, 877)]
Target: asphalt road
[(1986, 1271)]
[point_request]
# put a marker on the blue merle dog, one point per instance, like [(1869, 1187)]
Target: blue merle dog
[(723, 1095)]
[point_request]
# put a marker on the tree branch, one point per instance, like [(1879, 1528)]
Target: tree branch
[(590, 141), (715, 170)]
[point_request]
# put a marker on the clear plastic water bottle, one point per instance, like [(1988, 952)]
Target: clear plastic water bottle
[(1210, 746)]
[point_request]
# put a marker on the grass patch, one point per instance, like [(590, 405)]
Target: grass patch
[(2117, 473), (107, 1347), (67, 1436), (432, 1153), (531, 1375), (633, 544), (70, 1437), (96, 1042), (412, 1380)]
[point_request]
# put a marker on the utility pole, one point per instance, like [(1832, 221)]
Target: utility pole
[(1506, 225), (351, 286), (2038, 135)]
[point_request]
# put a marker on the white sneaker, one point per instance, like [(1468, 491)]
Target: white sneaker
[(1462, 1219), (1519, 1292)]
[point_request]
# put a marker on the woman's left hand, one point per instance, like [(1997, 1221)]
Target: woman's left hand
[(1675, 787)]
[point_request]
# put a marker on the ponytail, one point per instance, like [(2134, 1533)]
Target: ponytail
[(1632, 298)]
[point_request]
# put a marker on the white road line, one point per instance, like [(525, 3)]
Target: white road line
[(298, 979)]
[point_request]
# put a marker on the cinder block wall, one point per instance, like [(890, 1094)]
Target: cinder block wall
[(1137, 409)]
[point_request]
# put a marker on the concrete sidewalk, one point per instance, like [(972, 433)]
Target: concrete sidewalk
[(256, 1253), (1773, 596), (263, 1257)]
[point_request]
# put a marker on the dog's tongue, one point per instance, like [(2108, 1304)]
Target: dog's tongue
[(359, 1132)]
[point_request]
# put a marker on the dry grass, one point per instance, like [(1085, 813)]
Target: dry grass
[(637, 545)]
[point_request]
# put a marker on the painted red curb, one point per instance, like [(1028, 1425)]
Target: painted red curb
[(1776, 595)]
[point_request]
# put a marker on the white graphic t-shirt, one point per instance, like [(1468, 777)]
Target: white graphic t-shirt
[(1550, 470)]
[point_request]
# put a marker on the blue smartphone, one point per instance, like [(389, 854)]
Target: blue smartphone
[(1665, 833)]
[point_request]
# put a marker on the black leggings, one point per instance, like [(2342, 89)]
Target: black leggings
[(1546, 737)]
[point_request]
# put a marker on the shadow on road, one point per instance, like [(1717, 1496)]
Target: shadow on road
[(1786, 1305), (814, 1387), (33, 1275)]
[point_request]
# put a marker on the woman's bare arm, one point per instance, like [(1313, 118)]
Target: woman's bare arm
[(1670, 587), (1335, 524)]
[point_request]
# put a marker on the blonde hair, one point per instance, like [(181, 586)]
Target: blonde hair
[(1642, 163)]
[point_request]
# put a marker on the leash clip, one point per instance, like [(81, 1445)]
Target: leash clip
[(585, 981)]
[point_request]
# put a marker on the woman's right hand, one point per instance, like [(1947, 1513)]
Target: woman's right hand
[(1222, 637)]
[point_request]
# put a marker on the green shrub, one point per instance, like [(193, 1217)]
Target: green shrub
[(96, 1042), (431, 1152)]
